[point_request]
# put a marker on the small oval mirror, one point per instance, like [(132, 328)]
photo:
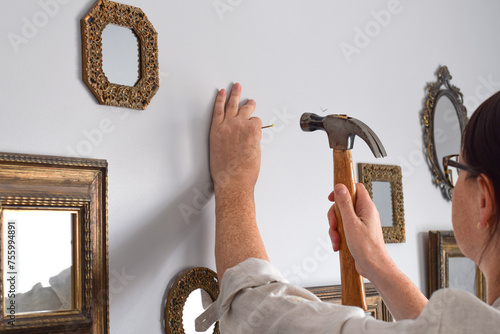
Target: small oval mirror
[(447, 133), (190, 294)]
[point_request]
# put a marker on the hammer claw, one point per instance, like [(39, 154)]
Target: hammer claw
[(341, 131)]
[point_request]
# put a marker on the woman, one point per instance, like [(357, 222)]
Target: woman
[(255, 298)]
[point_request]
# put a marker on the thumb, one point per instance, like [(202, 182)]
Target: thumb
[(343, 201)]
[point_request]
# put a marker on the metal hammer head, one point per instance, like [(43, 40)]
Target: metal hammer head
[(341, 131)]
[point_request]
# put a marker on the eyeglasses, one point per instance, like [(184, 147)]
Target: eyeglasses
[(452, 167)]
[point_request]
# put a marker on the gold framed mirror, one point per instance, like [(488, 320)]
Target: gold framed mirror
[(385, 186), (444, 119), (449, 268), (105, 13), (54, 252), (192, 292)]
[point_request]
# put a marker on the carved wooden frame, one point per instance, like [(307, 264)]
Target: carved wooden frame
[(436, 90), (442, 246), (103, 13), (34, 182), (392, 174), (376, 305), (187, 282)]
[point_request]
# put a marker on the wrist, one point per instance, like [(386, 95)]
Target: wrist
[(233, 190), (380, 269)]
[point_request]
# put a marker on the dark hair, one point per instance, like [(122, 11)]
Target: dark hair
[(481, 146)]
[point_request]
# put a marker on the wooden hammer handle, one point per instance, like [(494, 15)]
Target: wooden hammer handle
[(353, 287)]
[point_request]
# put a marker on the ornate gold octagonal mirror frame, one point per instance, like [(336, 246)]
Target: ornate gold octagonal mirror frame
[(40, 184), (107, 12)]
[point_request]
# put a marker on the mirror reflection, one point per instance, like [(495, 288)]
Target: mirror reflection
[(382, 198), (462, 274), (37, 260), (120, 55), (447, 133), (196, 303)]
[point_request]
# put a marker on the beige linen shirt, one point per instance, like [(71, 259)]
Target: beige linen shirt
[(255, 298)]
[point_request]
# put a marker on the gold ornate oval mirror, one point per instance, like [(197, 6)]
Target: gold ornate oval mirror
[(444, 119), (193, 291), (107, 13)]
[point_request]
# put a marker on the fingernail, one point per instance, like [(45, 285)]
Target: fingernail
[(222, 92), (237, 86)]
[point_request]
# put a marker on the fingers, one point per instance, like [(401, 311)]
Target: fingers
[(344, 202), (334, 234), (234, 100), (224, 112), (218, 115), (332, 219), (335, 238), (331, 197), (247, 110)]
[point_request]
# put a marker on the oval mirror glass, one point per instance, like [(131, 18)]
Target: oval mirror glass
[(196, 303), (120, 55), (37, 260), (447, 133)]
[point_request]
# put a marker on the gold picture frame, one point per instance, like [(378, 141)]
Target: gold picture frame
[(442, 249), (376, 306), (35, 182), (106, 12), (187, 282), (369, 173)]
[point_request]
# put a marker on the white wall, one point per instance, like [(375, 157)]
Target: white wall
[(288, 58)]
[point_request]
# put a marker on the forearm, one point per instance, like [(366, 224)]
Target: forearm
[(402, 297), (237, 235)]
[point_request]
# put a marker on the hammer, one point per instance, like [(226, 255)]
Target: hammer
[(341, 131)]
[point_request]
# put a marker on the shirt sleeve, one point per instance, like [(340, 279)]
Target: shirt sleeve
[(255, 298)]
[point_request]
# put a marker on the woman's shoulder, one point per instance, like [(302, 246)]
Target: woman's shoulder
[(455, 307), (458, 296)]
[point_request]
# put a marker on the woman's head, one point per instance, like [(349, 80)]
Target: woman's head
[(481, 144), (481, 152)]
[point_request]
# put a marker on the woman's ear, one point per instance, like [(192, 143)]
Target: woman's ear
[(487, 202)]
